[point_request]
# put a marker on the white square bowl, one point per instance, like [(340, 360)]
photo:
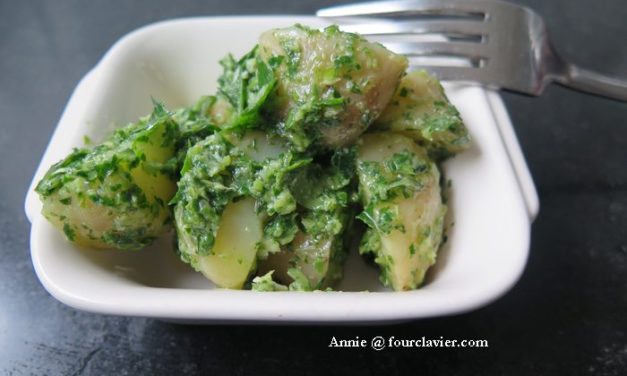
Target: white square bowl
[(493, 200)]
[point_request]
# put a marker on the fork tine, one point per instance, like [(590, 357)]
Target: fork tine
[(408, 7), (456, 27), (461, 49)]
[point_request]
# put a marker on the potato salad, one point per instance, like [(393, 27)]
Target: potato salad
[(316, 141)]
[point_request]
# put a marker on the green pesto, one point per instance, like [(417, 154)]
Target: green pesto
[(110, 184), (382, 219), (302, 128), (121, 151), (205, 189), (323, 97), (300, 281), (323, 195), (421, 110), (270, 184), (385, 185), (401, 175), (246, 84), (278, 232), (69, 232), (215, 173), (322, 108), (293, 194), (266, 283), (293, 55)]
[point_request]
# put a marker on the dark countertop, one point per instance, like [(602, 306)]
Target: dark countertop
[(567, 314)]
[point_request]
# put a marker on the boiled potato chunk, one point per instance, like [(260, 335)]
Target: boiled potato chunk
[(312, 259), (421, 110), (234, 253), (318, 259), (116, 194), (400, 191), (330, 85), (220, 217)]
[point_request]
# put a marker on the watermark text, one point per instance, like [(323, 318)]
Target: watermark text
[(392, 342)]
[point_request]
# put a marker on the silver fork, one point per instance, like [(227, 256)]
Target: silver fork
[(505, 45)]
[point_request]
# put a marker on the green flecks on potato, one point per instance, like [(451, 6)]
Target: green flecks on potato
[(330, 85), (419, 109), (313, 258), (115, 195), (403, 209), (219, 174)]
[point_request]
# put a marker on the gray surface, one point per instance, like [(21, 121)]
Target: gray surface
[(568, 314)]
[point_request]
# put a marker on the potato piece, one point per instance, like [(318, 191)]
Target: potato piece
[(115, 195), (330, 85), (420, 110), (313, 257), (206, 205), (216, 235), (234, 253), (318, 259), (400, 191)]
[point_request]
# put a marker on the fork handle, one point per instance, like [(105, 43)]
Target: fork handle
[(593, 83)]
